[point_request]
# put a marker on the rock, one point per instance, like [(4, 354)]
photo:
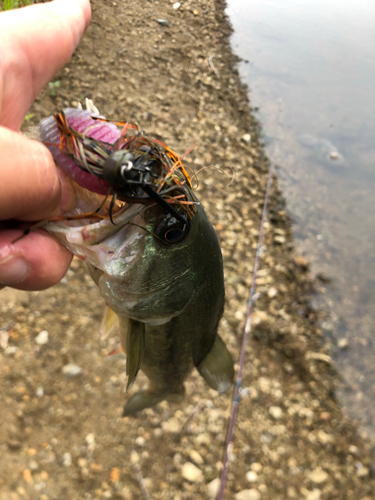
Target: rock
[(256, 466), (251, 494), (39, 392), (191, 473), (71, 370), (134, 457), (279, 240), (318, 475), (163, 22), (272, 292), (172, 425), (67, 459), (334, 155), (361, 470), (276, 412), (176, 5), (324, 438), (246, 138), (251, 476), (196, 457), (42, 338), (212, 488), (343, 343), (140, 441)]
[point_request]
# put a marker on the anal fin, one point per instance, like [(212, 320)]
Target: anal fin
[(217, 367), (135, 350)]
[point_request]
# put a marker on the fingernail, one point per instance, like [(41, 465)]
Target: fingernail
[(68, 196), (13, 270)]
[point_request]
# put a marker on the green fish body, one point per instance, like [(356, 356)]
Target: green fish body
[(168, 297)]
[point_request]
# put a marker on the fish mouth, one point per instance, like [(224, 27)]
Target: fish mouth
[(84, 232)]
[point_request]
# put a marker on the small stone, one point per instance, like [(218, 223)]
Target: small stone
[(361, 470), (195, 12), (272, 292), (134, 457), (251, 476), (276, 412), (333, 155), (256, 466), (163, 22), (251, 494), (191, 473), (71, 370), (90, 439), (140, 441), (212, 488), (39, 392), (324, 438), (301, 262), (318, 475), (115, 474), (279, 240), (343, 343), (246, 138), (196, 457), (353, 449), (176, 5), (172, 425), (27, 476), (67, 459), (42, 338), (33, 466)]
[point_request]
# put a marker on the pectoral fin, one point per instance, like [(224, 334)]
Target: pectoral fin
[(217, 367), (135, 350)]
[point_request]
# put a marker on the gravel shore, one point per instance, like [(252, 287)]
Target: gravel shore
[(61, 431)]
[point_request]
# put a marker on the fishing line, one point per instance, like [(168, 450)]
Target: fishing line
[(247, 329)]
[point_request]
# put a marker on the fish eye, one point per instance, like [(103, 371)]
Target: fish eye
[(171, 230)]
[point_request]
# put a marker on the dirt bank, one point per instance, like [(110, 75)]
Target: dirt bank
[(64, 438)]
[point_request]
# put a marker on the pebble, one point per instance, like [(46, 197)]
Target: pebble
[(134, 457), (71, 370), (172, 425), (246, 138), (196, 457), (343, 343), (251, 494), (276, 412), (67, 460), (39, 392), (176, 5), (324, 438), (163, 22), (42, 338), (318, 475), (213, 487), (191, 473), (256, 466), (251, 476), (272, 292), (280, 240), (140, 441)]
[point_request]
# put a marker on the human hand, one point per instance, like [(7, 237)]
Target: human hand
[(35, 43)]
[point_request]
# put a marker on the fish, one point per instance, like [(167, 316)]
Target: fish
[(159, 269)]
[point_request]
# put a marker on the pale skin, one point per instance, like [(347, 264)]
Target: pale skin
[(35, 43)]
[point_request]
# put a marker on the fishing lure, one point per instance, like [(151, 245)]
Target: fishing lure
[(132, 168)]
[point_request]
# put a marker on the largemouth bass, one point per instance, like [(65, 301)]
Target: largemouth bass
[(158, 269)]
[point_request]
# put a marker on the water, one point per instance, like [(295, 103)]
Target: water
[(318, 56)]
